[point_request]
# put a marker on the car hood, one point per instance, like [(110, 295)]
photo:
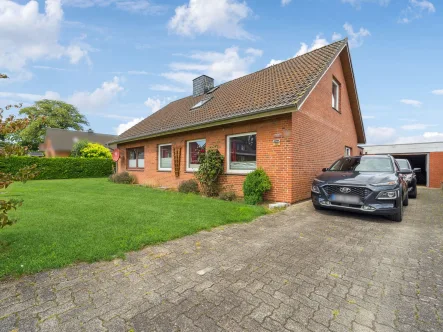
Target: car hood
[(356, 178)]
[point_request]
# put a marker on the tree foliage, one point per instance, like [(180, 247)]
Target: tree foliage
[(208, 174), (10, 126), (49, 114), (95, 150), (78, 147)]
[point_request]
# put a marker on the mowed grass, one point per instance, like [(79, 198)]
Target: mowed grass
[(67, 221)]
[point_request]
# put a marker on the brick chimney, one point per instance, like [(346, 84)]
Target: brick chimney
[(202, 84)]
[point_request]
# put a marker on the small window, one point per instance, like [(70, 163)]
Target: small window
[(348, 151), (242, 153), (165, 157), (136, 158), (193, 150), (335, 95)]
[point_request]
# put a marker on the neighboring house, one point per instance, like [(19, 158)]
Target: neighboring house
[(426, 156), (280, 118), (59, 142)]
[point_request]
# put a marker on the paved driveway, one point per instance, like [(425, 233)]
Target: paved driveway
[(299, 270)]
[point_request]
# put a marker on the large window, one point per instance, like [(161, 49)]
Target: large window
[(335, 95), (242, 153), (165, 157), (136, 158), (193, 150)]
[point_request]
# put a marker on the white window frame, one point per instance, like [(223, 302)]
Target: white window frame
[(335, 82), (163, 169), (190, 169), (228, 155), (347, 148)]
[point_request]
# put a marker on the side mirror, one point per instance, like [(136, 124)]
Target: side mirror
[(325, 169), (405, 171), (417, 170)]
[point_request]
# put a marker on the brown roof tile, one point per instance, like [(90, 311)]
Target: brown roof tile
[(282, 85)]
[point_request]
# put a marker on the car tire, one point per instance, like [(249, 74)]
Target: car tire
[(406, 201), (398, 217), (413, 193)]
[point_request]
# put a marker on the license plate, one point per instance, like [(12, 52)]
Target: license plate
[(348, 199)]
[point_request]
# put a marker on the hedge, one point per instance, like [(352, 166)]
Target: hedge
[(60, 168)]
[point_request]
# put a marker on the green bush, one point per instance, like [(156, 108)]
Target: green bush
[(255, 185), (189, 186), (59, 168), (78, 147), (95, 150), (209, 171), (228, 196), (123, 177)]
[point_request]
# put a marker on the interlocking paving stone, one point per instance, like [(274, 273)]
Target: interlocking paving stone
[(297, 270)]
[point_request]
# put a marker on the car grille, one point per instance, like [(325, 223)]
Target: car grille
[(358, 191)]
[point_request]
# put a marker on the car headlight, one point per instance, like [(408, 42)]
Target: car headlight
[(390, 183), (315, 189), (389, 194)]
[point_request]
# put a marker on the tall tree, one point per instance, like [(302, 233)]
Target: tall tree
[(49, 114)]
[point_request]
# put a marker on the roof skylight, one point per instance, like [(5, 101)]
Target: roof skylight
[(202, 102)]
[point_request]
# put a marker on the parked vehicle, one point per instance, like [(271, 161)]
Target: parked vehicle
[(409, 174), (370, 184)]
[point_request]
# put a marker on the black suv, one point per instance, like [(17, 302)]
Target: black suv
[(371, 184), (409, 174)]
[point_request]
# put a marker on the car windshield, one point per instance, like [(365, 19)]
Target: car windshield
[(403, 163), (362, 164)]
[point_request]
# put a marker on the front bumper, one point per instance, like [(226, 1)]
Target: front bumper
[(368, 204)]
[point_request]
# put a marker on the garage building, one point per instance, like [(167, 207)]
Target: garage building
[(427, 156)]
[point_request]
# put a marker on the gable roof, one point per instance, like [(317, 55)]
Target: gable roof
[(278, 87), (63, 139)]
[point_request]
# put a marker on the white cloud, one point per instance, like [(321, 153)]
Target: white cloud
[(153, 104), (222, 67), (358, 3), (218, 17), (415, 10), (411, 102), (355, 38), (22, 97), (336, 36), (28, 35), (125, 126), (379, 135), (97, 99), (426, 137), (417, 126), (438, 92), (52, 68), (165, 87), (131, 6), (254, 52), (285, 2), (367, 117)]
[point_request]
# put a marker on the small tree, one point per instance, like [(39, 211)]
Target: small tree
[(9, 127), (95, 150), (78, 147), (208, 174)]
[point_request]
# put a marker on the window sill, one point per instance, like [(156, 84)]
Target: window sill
[(239, 172), (135, 169), (164, 170)]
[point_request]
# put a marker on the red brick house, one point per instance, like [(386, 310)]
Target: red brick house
[(279, 118)]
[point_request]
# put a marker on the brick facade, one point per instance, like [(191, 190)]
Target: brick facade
[(320, 132), (310, 139), (435, 169)]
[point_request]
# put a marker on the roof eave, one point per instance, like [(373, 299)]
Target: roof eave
[(282, 109)]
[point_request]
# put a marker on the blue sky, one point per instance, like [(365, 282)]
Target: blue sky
[(120, 60)]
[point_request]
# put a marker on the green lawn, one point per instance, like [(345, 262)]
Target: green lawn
[(66, 221)]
